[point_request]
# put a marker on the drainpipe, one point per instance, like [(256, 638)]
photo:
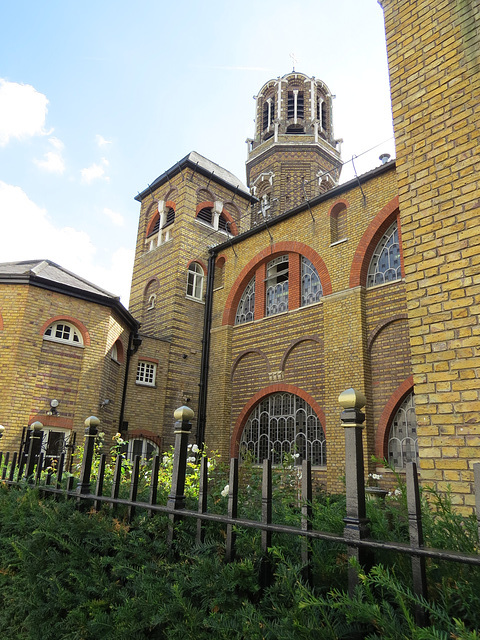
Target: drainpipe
[(134, 342), (207, 325)]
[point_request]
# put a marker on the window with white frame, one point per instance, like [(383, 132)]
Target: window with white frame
[(146, 373), (195, 278), (283, 424), (61, 331), (246, 306), (402, 439), (385, 263), (141, 447), (277, 286), (311, 285)]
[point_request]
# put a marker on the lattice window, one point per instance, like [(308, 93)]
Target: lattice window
[(385, 263), (195, 278), (311, 285), (283, 424), (402, 439), (63, 332), (246, 306), (146, 373), (277, 286)]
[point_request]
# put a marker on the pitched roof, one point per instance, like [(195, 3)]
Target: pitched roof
[(203, 165), (49, 275)]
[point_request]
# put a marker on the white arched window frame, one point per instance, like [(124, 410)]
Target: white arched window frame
[(246, 306), (385, 263), (311, 286), (283, 424), (66, 332), (142, 447), (195, 278), (402, 438)]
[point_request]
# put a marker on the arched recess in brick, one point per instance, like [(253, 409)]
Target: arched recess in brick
[(369, 241), (244, 354), (251, 404), (338, 220), (120, 351), (390, 361), (303, 363), (261, 259), (389, 410), (79, 325)]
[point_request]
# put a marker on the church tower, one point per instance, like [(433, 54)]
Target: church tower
[(293, 156)]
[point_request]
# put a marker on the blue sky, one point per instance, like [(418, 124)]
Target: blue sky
[(99, 98)]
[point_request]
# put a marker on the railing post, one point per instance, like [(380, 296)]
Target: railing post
[(176, 499), (416, 540), (356, 523), (35, 445), (83, 486)]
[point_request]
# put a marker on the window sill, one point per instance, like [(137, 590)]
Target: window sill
[(384, 284), (59, 341), (334, 244), (195, 299), (145, 384)]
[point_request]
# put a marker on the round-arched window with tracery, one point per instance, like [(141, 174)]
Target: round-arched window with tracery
[(283, 424)]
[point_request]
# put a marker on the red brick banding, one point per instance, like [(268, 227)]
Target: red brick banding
[(51, 421)]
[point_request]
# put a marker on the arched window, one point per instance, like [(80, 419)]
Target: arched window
[(116, 352), (61, 331), (385, 263), (246, 306), (311, 286), (141, 447), (205, 215), (277, 286), (195, 280), (402, 439), (283, 424)]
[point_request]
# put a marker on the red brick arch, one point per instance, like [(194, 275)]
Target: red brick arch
[(383, 428), (148, 435), (369, 241), (208, 204), (279, 387), (79, 325), (200, 262), (265, 256), (337, 207), (156, 216), (51, 421)]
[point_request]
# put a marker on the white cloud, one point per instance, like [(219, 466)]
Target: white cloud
[(115, 217), (53, 160), (101, 141), (37, 237), (95, 172), (22, 111)]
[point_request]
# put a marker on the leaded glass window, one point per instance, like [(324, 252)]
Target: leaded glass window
[(402, 439), (385, 263), (283, 424), (246, 306), (277, 286), (311, 286)]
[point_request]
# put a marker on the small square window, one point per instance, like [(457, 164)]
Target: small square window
[(146, 373)]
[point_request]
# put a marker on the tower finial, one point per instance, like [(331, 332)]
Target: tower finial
[(294, 60)]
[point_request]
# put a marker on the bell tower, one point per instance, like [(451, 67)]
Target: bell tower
[(293, 156)]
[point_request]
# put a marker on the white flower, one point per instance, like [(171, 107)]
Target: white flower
[(296, 455), (375, 476), (191, 459), (225, 491), (165, 459), (397, 492), (189, 446), (195, 448)]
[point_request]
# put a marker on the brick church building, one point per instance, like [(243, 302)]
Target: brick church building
[(259, 304)]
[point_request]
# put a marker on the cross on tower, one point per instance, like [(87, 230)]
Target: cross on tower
[(294, 60)]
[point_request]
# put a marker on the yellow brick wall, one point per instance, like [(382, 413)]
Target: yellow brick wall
[(433, 53)]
